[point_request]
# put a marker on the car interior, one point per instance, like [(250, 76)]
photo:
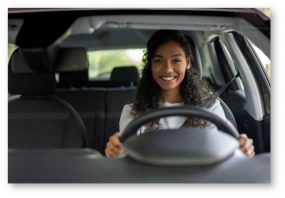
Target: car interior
[(55, 103)]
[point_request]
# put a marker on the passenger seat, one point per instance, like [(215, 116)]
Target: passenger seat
[(88, 101), (125, 76), (36, 119)]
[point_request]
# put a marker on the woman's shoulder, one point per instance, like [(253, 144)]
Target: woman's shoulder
[(128, 107), (215, 104), (127, 111), (126, 116), (217, 108)]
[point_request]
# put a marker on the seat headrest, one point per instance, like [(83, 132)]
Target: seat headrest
[(71, 60), (125, 74), (72, 66), (22, 79), (37, 59), (196, 60)]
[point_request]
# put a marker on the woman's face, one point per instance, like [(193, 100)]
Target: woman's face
[(168, 66)]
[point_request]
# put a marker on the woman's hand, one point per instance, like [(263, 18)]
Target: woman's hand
[(246, 145), (114, 146)]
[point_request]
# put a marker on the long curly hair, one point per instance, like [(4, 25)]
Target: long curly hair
[(194, 90)]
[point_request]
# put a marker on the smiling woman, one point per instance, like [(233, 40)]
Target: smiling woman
[(168, 80)]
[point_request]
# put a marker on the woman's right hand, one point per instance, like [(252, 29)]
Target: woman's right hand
[(114, 146)]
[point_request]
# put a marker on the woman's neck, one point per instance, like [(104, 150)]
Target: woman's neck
[(172, 96)]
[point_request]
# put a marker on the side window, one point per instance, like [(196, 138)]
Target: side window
[(265, 61), (101, 62), (11, 49)]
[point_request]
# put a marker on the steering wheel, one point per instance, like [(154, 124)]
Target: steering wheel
[(186, 110), (184, 146)]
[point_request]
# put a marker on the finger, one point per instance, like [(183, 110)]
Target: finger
[(242, 139), (106, 153), (250, 152), (112, 150), (115, 136), (108, 150), (115, 150), (243, 135), (110, 153), (247, 144), (248, 148), (115, 141), (244, 148)]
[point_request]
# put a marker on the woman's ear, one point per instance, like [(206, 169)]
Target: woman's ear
[(188, 64)]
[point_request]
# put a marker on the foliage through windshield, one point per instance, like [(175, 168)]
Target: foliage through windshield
[(102, 62)]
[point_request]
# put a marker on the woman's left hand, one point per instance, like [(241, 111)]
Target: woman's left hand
[(246, 145)]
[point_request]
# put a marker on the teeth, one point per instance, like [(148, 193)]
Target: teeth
[(168, 78)]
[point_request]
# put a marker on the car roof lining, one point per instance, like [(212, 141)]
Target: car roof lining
[(85, 25), (184, 22)]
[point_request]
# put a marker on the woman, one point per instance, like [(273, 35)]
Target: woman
[(168, 79)]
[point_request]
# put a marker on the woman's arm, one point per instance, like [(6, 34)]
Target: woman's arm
[(114, 147)]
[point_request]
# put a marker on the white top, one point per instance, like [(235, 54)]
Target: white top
[(167, 122)]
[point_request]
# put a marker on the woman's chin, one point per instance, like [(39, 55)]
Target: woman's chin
[(169, 87)]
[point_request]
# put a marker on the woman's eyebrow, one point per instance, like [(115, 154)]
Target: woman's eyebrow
[(179, 54), (173, 55), (157, 55)]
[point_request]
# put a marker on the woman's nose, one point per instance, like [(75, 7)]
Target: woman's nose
[(167, 66)]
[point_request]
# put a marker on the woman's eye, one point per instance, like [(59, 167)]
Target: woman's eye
[(157, 61), (177, 60)]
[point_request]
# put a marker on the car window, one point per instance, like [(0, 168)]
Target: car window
[(11, 49), (101, 62), (263, 59)]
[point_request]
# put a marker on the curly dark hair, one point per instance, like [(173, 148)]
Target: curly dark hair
[(194, 90)]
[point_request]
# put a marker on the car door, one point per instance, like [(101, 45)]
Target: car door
[(256, 82)]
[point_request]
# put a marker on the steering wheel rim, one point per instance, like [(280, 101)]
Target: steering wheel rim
[(186, 110)]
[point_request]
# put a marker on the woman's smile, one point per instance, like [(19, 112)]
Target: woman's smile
[(168, 78)]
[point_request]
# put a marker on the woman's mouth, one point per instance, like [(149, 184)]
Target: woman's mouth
[(168, 78)]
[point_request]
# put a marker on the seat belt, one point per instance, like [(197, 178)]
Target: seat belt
[(220, 91), (216, 95)]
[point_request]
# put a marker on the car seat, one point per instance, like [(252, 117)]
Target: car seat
[(36, 119)]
